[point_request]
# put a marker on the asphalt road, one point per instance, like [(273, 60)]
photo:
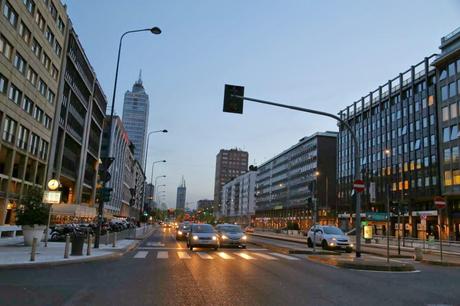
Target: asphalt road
[(163, 272)]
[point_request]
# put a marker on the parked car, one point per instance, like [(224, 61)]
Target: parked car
[(231, 235), (182, 231), (329, 237), (202, 235)]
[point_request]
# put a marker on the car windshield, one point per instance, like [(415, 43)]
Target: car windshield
[(331, 230), (185, 227), (202, 228), (230, 229)]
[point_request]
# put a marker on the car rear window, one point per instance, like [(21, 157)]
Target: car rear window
[(202, 228)]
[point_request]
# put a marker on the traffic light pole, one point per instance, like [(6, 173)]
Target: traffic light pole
[(357, 160)]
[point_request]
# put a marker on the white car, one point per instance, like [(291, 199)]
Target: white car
[(329, 237)]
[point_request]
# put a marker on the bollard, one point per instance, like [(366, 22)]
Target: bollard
[(107, 238), (67, 246), (114, 239), (34, 249), (418, 256), (88, 249)]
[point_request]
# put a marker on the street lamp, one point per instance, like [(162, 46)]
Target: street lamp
[(147, 147), (315, 208), (387, 153), (153, 30), (155, 186), (153, 164)]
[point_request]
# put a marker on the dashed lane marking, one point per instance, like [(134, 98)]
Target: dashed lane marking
[(141, 254)]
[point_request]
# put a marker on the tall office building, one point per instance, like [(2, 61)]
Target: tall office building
[(181, 191), (135, 117), (229, 164), (32, 38)]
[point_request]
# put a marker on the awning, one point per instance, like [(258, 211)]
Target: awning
[(73, 210)]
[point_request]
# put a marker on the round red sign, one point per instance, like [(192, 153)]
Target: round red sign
[(358, 185), (439, 202)]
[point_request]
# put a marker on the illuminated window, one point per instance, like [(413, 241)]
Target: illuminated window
[(456, 177), (448, 178)]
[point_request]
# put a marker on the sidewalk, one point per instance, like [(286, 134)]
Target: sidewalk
[(13, 253)]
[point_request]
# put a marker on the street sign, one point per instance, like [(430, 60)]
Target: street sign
[(51, 197), (439, 202), (233, 104), (358, 185)]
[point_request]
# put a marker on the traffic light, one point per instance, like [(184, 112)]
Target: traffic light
[(103, 171), (104, 194), (233, 104)]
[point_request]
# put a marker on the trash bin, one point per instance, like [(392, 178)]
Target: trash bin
[(77, 244), (418, 256)]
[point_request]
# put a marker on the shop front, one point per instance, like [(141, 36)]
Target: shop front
[(72, 213)]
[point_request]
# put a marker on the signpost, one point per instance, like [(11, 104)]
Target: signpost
[(440, 203), (358, 185), (51, 197)]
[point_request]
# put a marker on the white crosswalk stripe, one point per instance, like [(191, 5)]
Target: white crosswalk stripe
[(155, 244), (284, 256), (141, 254), (205, 255), (245, 256), (183, 255), (225, 255), (162, 255), (265, 256)]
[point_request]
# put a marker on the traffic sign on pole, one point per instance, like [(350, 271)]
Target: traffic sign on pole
[(358, 185), (439, 202)]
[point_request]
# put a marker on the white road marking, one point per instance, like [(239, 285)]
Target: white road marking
[(245, 256), (183, 255), (141, 254), (225, 255), (159, 248), (162, 255), (284, 256), (265, 256), (204, 255)]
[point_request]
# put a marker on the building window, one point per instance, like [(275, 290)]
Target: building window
[(10, 14), (453, 110), (40, 21), (456, 177), (32, 76), (3, 84), (38, 114), (9, 128), (24, 32), (15, 94), (23, 136), (49, 36), (454, 132), (42, 87), (46, 61), (57, 48), (47, 122), (5, 47), (452, 89), (27, 105), (34, 144), (445, 134), (43, 150), (455, 154), (36, 48), (30, 5), (430, 100), (19, 63), (50, 96), (445, 113), (54, 72), (447, 156), (451, 69), (444, 93), (60, 25)]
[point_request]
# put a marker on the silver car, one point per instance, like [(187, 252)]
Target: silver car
[(202, 235), (231, 235)]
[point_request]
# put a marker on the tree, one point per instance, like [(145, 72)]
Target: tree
[(32, 210)]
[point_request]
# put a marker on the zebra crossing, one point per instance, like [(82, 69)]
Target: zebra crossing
[(187, 255)]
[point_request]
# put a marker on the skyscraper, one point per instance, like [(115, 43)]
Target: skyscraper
[(181, 190), (135, 117), (229, 164)]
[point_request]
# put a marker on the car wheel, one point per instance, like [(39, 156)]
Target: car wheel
[(243, 246), (309, 243), (349, 250), (324, 245)]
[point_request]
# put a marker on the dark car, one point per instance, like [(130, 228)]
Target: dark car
[(231, 235), (183, 231), (202, 235)]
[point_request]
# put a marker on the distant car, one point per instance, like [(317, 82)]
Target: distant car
[(182, 231), (231, 235), (249, 229), (329, 237), (202, 235)]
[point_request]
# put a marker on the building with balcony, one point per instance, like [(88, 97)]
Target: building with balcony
[(238, 198), (32, 42), (288, 184)]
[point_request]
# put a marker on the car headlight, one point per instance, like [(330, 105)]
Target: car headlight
[(195, 237), (244, 237), (351, 244), (224, 237), (179, 233), (214, 238), (331, 244)]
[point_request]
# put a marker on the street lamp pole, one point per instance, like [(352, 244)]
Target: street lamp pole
[(154, 30), (147, 147), (357, 161), (387, 153), (315, 209), (155, 186)]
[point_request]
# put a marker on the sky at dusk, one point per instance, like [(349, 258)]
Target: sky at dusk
[(316, 54)]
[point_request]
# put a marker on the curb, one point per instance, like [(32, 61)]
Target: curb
[(369, 266), (292, 251), (112, 256), (440, 263), (384, 255)]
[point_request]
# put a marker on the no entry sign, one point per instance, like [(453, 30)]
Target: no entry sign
[(358, 185), (439, 202)]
